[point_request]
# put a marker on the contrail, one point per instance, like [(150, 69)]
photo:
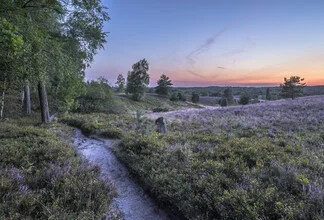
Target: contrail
[(191, 58)]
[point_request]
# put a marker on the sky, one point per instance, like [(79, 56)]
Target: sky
[(214, 42)]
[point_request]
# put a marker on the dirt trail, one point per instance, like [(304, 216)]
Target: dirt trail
[(131, 199)]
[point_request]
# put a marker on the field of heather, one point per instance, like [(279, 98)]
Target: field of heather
[(263, 161)]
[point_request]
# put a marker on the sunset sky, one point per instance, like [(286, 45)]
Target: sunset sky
[(214, 42)]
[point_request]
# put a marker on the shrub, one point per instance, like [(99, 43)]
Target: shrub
[(244, 99), (195, 97)]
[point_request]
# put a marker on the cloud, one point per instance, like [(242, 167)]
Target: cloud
[(194, 73), (221, 67), (191, 57)]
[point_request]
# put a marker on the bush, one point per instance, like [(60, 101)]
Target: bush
[(244, 99)]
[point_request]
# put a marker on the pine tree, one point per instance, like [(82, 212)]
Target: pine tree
[(292, 87), (164, 86)]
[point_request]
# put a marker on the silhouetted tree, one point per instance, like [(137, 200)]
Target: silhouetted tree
[(292, 87)]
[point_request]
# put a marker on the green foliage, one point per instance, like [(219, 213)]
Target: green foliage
[(138, 80), (112, 125), (195, 97), (49, 54), (164, 85), (11, 47), (41, 178), (98, 97), (10, 40), (120, 83), (292, 87)]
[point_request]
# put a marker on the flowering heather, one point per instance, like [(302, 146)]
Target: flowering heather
[(261, 161), (302, 114), (41, 178)]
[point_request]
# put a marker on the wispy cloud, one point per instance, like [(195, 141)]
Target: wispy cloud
[(221, 67), (191, 57), (194, 73)]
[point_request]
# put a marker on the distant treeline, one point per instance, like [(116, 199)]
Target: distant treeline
[(253, 92)]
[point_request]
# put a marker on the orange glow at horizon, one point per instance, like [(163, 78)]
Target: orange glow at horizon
[(310, 67)]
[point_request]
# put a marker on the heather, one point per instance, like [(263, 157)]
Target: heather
[(42, 176), (262, 161)]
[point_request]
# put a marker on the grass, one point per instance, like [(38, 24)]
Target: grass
[(42, 177), (262, 161)]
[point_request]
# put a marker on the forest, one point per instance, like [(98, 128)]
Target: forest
[(226, 153)]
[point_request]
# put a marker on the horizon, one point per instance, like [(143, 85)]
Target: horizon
[(214, 43)]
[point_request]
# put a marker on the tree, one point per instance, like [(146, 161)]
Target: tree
[(228, 94), (60, 39), (268, 96), (11, 45), (138, 80), (120, 83), (164, 85), (292, 87), (98, 96), (244, 99), (195, 97)]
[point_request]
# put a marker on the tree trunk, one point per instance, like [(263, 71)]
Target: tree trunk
[(43, 102), (3, 97), (27, 105)]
